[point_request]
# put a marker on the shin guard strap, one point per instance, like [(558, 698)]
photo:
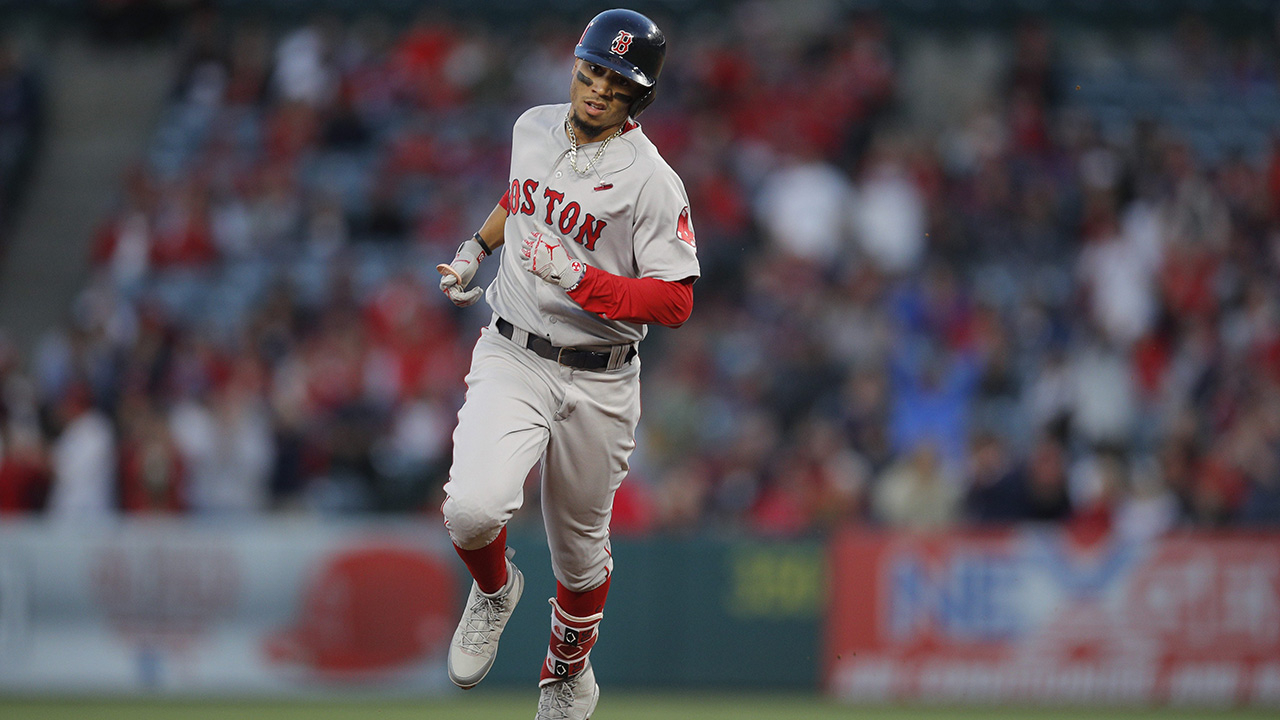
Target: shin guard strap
[(571, 641)]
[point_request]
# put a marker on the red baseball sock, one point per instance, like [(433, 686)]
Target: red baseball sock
[(583, 604), (575, 622), (488, 565)]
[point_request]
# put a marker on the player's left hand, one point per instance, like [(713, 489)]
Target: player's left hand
[(455, 276), (545, 256)]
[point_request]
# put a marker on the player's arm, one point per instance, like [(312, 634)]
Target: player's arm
[(638, 300), (664, 246), (493, 231), (455, 276)]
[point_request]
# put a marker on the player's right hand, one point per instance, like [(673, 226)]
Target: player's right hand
[(545, 257), (455, 276)]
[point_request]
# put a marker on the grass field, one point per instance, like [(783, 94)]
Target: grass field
[(613, 707)]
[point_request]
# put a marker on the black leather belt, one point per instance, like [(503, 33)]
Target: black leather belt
[(572, 357)]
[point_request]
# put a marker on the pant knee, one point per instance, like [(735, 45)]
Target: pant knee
[(472, 525), (586, 577)]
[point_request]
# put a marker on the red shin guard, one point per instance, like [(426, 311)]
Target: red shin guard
[(572, 638), (488, 565)]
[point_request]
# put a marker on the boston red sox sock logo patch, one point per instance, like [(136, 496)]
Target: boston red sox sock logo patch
[(621, 43)]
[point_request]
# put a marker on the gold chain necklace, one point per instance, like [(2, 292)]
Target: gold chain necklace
[(573, 147)]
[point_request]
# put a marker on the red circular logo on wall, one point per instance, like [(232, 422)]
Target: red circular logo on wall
[(684, 230), (370, 609)]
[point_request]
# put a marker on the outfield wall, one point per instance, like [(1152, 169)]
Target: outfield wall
[(1033, 615), (286, 608), (256, 608)]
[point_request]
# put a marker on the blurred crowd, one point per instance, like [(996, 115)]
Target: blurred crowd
[(21, 122), (1059, 305)]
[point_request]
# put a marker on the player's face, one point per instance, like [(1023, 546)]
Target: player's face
[(599, 99)]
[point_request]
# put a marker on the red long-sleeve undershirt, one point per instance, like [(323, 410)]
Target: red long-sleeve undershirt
[(637, 300)]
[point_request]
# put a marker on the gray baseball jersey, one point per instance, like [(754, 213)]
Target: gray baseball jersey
[(628, 215)]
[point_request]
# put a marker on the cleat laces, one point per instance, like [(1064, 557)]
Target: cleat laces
[(482, 621), (556, 701)]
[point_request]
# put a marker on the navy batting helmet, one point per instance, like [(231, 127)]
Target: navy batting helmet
[(631, 45)]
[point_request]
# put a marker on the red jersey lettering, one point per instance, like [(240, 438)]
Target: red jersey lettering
[(553, 197), (530, 187), (569, 218), (589, 233)]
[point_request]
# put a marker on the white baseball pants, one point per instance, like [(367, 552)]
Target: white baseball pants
[(521, 408)]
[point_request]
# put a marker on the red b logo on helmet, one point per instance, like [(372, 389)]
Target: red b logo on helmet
[(621, 43)]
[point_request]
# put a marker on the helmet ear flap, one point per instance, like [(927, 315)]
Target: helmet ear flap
[(643, 102)]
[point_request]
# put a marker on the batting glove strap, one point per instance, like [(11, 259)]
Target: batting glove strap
[(455, 276), (465, 262), (483, 246), (577, 271), (545, 256)]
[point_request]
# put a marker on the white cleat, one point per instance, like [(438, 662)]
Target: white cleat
[(475, 642), (571, 699)]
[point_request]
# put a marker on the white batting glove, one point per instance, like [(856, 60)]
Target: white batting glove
[(455, 276), (544, 256)]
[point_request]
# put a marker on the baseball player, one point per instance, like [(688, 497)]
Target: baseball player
[(596, 244)]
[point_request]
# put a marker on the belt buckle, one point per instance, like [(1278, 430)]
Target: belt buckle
[(560, 357)]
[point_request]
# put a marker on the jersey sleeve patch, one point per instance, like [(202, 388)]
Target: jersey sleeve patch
[(684, 228)]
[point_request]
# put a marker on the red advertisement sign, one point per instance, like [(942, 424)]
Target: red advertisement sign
[(271, 608), (370, 610), (1032, 616)]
